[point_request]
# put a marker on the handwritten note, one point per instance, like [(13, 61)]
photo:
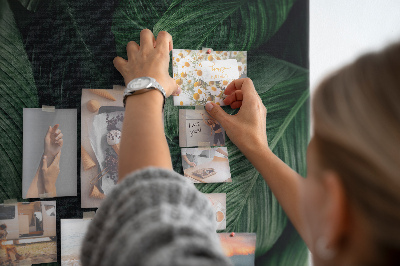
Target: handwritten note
[(219, 70)]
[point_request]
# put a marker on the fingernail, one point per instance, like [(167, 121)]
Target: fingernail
[(44, 157), (179, 90), (209, 106)]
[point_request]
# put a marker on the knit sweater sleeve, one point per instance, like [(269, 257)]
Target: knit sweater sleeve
[(154, 217)]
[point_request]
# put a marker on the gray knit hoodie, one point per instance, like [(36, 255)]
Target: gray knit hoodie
[(154, 217)]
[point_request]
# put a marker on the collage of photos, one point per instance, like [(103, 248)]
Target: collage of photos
[(28, 233), (240, 248), (203, 76), (72, 234), (197, 127), (49, 153), (102, 114), (206, 165)]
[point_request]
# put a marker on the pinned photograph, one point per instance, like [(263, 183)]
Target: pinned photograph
[(197, 127), (206, 165), (72, 234), (102, 114), (239, 247), (49, 153), (28, 233), (204, 76), (218, 201)]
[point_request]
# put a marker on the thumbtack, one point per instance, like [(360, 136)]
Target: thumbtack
[(209, 51), (232, 234)]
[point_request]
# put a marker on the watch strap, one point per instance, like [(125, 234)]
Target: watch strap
[(154, 85)]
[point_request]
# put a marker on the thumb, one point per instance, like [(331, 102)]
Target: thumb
[(218, 113)]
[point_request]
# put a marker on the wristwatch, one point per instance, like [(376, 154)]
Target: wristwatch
[(142, 85)]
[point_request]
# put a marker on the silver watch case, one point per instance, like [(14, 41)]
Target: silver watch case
[(143, 85)]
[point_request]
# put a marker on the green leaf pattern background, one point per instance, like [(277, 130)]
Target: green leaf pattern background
[(50, 50)]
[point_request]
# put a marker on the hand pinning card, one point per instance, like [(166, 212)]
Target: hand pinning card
[(203, 77), (197, 127), (206, 165)]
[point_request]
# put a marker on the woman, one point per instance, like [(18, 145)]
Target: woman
[(217, 129), (9, 249), (346, 210)]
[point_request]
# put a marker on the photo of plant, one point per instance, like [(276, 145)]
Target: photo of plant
[(189, 72), (51, 50)]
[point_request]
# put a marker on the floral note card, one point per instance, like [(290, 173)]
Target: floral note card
[(203, 77)]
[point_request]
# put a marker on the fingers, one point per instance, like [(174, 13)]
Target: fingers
[(235, 99), (119, 63), (48, 132), (131, 48), (59, 136), (54, 129), (164, 42), (146, 40), (60, 142), (217, 113), (44, 163), (245, 85), (177, 92)]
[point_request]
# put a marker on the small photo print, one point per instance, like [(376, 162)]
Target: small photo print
[(197, 127), (204, 76), (218, 201), (49, 153), (72, 234), (28, 233), (102, 114), (240, 248), (206, 165)]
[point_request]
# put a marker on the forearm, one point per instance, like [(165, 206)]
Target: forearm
[(37, 186), (284, 183), (143, 141)]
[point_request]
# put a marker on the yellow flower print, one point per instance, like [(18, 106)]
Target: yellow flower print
[(183, 75), (211, 83), (210, 58), (199, 91), (196, 84), (179, 81), (181, 103), (225, 82), (177, 59), (213, 88), (199, 73), (196, 96), (187, 64)]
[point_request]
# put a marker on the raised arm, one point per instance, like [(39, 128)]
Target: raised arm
[(250, 121), (143, 141)]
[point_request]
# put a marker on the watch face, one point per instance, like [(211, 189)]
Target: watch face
[(140, 83)]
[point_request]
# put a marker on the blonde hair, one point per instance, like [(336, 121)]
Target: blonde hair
[(356, 115)]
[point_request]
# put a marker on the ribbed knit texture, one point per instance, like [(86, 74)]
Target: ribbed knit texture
[(154, 217)]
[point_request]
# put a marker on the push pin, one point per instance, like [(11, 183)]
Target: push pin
[(209, 51), (232, 234)]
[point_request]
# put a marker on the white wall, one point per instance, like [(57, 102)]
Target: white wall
[(341, 30)]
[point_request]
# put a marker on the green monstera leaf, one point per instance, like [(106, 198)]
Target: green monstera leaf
[(17, 91), (242, 25), (251, 206)]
